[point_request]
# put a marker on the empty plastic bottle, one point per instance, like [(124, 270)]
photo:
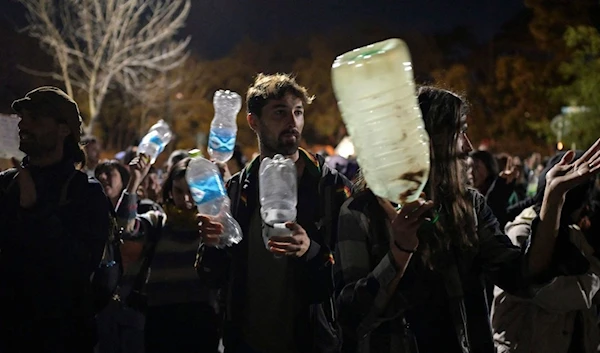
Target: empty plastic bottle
[(209, 194), (278, 193), (223, 129), (375, 90), (155, 140)]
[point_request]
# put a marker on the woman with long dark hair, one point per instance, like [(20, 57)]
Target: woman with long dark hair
[(412, 280)]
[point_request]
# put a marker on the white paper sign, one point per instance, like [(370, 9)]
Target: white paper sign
[(9, 137)]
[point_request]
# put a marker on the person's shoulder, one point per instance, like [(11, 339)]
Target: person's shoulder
[(476, 197), (359, 201)]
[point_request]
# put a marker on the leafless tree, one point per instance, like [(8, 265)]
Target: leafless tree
[(98, 44)]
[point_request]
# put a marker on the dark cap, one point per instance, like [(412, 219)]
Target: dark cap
[(55, 103)]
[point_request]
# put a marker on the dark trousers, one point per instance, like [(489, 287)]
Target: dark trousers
[(182, 328), (120, 329), (242, 348), (47, 335)]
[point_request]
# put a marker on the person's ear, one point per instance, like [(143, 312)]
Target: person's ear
[(252, 121), (63, 130)]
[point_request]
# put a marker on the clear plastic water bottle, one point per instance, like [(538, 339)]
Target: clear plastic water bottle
[(155, 140), (223, 129), (278, 193), (375, 90), (209, 194)]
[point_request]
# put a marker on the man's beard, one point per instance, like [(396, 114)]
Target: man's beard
[(280, 146), (36, 148), (30, 148)]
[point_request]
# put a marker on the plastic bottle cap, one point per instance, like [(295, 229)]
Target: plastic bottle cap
[(195, 153)]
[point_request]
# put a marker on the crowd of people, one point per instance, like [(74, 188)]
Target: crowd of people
[(498, 254)]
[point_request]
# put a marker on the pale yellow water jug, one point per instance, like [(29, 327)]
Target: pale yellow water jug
[(375, 89)]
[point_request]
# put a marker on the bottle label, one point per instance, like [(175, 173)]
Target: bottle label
[(221, 143), (153, 138), (208, 189)]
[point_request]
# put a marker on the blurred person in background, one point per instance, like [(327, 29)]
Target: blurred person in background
[(497, 186), (113, 176), (92, 148), (164, 306), (174, 158)]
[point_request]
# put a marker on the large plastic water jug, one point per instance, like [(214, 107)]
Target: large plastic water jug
[(375, 89)]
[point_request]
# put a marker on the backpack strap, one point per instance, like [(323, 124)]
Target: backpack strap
[(64, 191), (235, 191), (327, 190)]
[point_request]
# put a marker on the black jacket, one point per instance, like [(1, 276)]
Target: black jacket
[(226, 269), (48, 252), (366, 267)]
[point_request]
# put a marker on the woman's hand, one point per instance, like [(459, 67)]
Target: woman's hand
[(139, 168), (568, 174), (406, 222)]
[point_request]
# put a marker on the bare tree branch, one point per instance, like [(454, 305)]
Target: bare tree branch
[(97, 44)]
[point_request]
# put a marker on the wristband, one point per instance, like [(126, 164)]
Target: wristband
[(403, 249)]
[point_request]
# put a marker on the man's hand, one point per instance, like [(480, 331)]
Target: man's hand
[(223, 169), (27, 189), (210, 231), (295, 245)]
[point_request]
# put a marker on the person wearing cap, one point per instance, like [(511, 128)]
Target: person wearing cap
[(54, 223)]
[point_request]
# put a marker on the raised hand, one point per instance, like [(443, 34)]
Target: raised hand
[(406, 222), (138, 168), (567, 174)]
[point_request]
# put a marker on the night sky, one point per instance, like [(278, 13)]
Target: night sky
[(217, 25)]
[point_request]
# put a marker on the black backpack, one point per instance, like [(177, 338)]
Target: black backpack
[(105, 279)]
